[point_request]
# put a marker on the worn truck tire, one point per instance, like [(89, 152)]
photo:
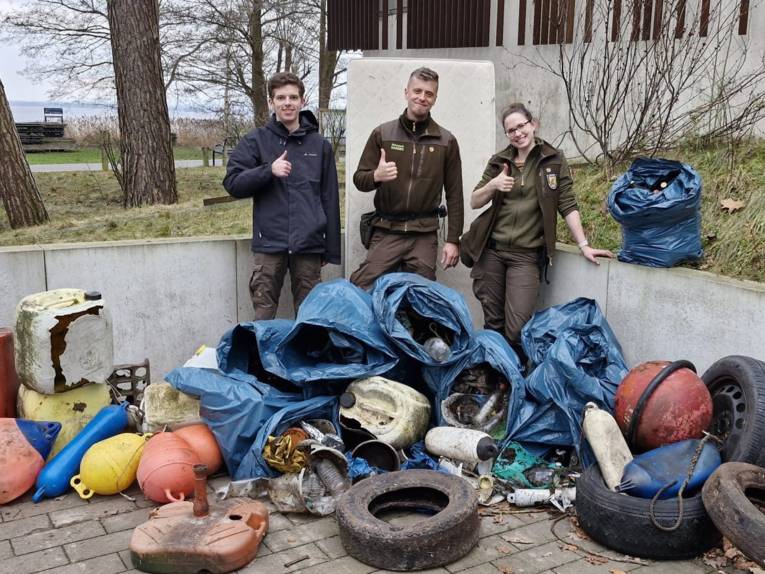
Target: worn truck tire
[(725, 498), (737, 386), (442, 538), (622, 522)]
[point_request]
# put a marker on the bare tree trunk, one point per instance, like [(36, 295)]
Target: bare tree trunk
[(327, 60), (148, 170), (21, 198), (258, 94)]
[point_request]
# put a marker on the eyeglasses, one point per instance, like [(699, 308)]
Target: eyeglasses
[(519, 127)]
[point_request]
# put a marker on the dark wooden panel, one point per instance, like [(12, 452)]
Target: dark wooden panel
[(658, 14), (588, 21), (647, 13), (616, 20), (500, 39), (704, 20), (485, 24), (680, 25), (637, 6), (384, 6), (399, 24), (552, 32), (544, 36), (571, 21), (743, 18), (537, 32), (521, 22)]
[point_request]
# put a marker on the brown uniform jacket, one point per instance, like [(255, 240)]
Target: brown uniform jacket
[(426, 165), (554, 193)]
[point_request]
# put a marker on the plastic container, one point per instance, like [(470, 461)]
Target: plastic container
[(466, 445), (668, 466), (54, 478), (392, 412), (109, 466), (166, 471), (73, 409), (607, 443), (64, 340), (25, 446), (9, 382)]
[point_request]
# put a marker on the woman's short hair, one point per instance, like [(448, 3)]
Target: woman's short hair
[(516, 108)]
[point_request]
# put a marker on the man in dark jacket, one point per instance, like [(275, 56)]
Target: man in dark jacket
[(409, 162), (288, 169)]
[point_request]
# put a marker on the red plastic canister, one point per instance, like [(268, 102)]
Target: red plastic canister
[(9, 382)]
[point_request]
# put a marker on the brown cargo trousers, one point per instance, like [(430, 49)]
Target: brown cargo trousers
[(268, 271), (506, 283), (410, 252)]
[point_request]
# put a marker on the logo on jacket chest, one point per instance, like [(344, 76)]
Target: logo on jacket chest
[(552, 180), (397, 147)]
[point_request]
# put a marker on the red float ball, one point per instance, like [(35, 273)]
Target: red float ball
[(680, 408)]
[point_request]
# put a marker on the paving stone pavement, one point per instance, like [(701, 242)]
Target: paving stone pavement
[(68, 535)]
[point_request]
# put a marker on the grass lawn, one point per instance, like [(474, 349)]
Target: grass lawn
[(93, 155), (87, 206)]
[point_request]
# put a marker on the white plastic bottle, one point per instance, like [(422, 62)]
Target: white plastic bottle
[(466, 445), (607, 442)]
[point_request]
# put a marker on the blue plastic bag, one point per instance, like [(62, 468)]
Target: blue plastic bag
[(242, 412), (658, 204), (581, 361), (488, 347), (433, 303), (335, 338)]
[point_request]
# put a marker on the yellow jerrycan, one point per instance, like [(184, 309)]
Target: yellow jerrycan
[(109, 466)]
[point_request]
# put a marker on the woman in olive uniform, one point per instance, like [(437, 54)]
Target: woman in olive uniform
[(510, 245)]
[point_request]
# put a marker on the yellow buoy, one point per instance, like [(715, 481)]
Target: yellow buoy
[(109, 466)]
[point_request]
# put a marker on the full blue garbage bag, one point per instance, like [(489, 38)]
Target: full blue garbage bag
[(436, 308), (661, 226), (335, 337), (581, 361), (489, 347), (242, 412), (544, 328)]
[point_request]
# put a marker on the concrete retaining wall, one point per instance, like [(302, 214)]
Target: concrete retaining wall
[(169, 296)]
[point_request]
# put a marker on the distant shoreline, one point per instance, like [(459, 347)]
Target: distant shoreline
[(31, 111)]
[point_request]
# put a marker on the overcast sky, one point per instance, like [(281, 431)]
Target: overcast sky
[(17, 87)]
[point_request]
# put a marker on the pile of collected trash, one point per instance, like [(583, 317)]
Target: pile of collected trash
[(382, 400)]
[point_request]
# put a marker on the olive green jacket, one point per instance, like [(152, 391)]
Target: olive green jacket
[(554, 193)]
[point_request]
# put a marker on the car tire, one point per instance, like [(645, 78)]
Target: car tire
[(440, 539), (737, 386), (623, 523), (740, 521)]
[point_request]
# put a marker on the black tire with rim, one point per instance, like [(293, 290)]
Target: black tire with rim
[(737, 386), (447, 535), (623, 523)]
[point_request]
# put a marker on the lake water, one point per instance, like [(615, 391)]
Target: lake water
[(33, 111)]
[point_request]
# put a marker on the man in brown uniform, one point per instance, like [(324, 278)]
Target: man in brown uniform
[(408, 161)]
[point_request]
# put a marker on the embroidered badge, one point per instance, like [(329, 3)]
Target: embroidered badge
[(552, 181), (397, 147)]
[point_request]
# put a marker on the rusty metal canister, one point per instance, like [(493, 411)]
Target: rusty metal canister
[(9, 382)]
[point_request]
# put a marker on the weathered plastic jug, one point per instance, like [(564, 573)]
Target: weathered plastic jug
[(53, 480), (25, 446), (392, 412), (109, 466), (666, 468), (607, 443), (9, 382), (467, 445), (64, 340), (193, 537), (166, 471), (73, 409)]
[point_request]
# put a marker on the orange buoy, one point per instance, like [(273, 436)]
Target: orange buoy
[(166, 470), (202, 441), (24, 446)]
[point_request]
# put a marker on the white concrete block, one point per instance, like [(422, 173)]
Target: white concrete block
[(166, 297), (571, 276), (673, 314), (22, 272)]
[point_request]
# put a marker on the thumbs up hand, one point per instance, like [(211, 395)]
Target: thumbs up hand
[(386, 170), (503, 182), (280, 167)]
